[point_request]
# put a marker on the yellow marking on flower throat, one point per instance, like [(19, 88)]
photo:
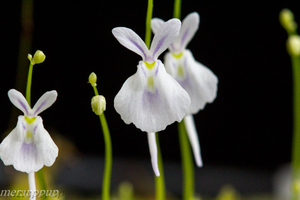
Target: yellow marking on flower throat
[(30, 120), (28, 135), (149, 65), (177, 55), (180, 70), (150, 82)]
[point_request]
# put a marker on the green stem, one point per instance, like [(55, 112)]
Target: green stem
[(29, 81), (108, 155), (148, 23), (296, 134), (187, 163), (40, 174), (177, 9), (160, 180)]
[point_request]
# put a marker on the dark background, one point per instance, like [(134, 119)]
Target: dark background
[(249, 124)]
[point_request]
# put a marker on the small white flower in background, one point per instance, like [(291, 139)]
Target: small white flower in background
[(29, 147), (151, 99), (199, 81)]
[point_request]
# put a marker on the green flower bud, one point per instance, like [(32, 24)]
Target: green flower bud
[(29, 56), (293, 45), (38, 57), (98, 104), (286, 18), (93, 79)]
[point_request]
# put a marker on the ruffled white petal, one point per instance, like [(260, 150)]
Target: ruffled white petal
[(151, 109), (129, 39), (28, 156), (155, 24), (44, 102), (193, 138), (188, 29), (19, 101), (153, 152), (199, 81), (165, 35)]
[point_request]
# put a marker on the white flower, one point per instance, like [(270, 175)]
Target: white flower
[(151, 99), (29, 147), (199, 81)]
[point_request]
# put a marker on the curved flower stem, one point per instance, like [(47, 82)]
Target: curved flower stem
[(187, 163), (32, 187), (160, 180), (148, 23), (296, 134), (108, 155)]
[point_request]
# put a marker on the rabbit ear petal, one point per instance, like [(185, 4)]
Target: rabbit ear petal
[(19, 101), (189, 27), (165, 35), (129, 39), (44, 102)]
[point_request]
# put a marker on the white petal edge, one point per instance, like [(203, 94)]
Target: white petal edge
[(152, 112), (188, 29), (19, 101), (156, 24), (129, 39), (193, 137), (44, 102), (153, 152), (166, 34), (201, 83)]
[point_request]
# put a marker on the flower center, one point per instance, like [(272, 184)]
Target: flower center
[(30, 120), (149, 65)]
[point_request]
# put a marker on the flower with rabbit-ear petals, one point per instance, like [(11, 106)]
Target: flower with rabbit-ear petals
[(28, 147), (199, 81), (151, 99)]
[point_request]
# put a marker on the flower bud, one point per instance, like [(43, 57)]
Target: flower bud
[(38, 57), (93, 79), (98, 104), (293, 45), (286, 18), (29, 56)]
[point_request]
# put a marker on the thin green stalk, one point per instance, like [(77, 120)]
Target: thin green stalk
[(186, 154), (177, 9), (40, 173), (187, 163), (108, 155), (29, 81), (148, 23), (160, 180), (296, 134)]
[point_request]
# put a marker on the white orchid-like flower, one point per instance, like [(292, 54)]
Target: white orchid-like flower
[(29, 147), (199, 81), (151, 99)]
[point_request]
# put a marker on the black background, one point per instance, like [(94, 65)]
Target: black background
[(242, 42)]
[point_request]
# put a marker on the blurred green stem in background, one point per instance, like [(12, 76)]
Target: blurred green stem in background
[(107, 139), (186, 154), (187, 163), (286, 18)]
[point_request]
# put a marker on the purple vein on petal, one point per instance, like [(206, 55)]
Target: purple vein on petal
[(156, 71), (23, 106), (42, 104), (184, 37), (159, 44), (35, 129), (138, 46)]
